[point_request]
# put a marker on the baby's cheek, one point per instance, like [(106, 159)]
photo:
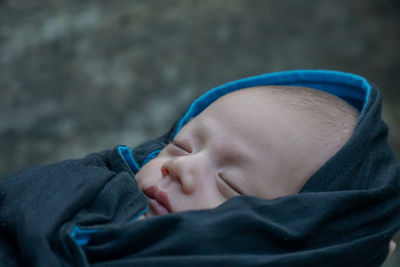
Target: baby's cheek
[(149, 174), (143, 178), (141, 218)]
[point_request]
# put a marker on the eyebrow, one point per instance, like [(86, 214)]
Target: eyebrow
[(228, 151)]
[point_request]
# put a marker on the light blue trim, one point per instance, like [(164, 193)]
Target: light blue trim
[(141, 213), (350, 87), (82, 236), (151, 156), (127, 156)]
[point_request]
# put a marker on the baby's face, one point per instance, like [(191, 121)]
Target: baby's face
[(237, 146)]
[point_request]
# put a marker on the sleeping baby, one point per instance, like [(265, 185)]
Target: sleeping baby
[(282, 169), (261, 141)]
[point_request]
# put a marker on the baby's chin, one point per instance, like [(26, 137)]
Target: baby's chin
[(146, 215), (149, 213)]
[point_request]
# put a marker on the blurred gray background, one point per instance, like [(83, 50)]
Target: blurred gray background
[(81, 76)]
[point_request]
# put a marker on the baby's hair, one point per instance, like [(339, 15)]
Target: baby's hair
[(334, 118)]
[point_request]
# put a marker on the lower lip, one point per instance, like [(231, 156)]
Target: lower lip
[(157, 207)]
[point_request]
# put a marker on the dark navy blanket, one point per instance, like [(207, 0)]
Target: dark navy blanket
[(84, 212)]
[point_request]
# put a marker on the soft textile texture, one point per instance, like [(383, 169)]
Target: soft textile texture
[(82, 212), (344, 215)]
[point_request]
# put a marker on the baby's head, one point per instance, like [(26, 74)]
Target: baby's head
[(261, 141)]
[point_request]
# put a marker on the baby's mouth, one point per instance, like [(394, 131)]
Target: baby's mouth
[(158, 200)]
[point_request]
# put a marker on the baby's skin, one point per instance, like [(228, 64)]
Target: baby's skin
[(245, 143)]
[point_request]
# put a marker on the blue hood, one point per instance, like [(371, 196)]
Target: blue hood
[(349, 87), (352, 88)]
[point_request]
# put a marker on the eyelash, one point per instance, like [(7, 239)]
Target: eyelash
[(228, 185), (182, 147)]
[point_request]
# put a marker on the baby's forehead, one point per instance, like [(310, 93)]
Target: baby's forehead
[(276, 113), (245, 100), (255, 102), (246, 95), (286, 99), (288, 108), (238, 111)]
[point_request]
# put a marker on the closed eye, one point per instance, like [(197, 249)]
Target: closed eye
[(182, 146), (228, 187)]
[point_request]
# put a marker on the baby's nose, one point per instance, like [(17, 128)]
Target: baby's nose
[(181, 170)]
